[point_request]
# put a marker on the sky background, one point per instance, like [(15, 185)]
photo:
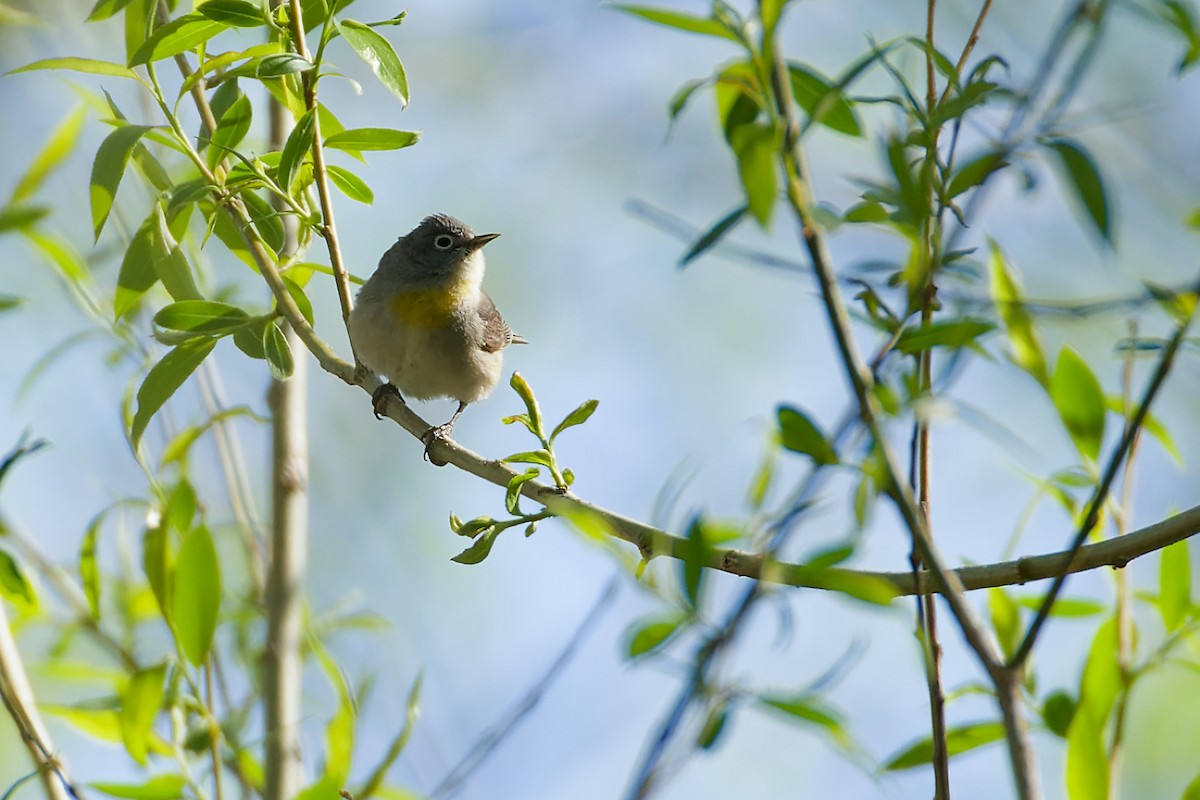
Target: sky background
[(543, 121)]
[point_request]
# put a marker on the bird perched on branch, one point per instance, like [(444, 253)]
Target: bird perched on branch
[(424, 321)]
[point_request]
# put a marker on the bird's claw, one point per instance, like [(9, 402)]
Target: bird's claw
[(435, 434), (380, 396)]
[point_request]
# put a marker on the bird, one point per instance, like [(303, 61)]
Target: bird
[(424, 321)]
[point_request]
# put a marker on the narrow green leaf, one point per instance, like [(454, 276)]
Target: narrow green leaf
[(809, 709), (108, 169), (137, 274), (232, 127), (299, 298), (713, 235), (975, 172), (1018, 324), (378, 54), (692, 561), (266, 220), (339, 731), (1101, 681), (867, 588), (1087, 183), (106, 8), (157, 561), (754, 146), (169, 262), (541, 457), (140, 703), (160, 787), (10, 301), (824, 103), (1175, 585), (512, 492), (177, 36), (372, 139), (952, 334), (235, 13), (277, 65), (20, 216), (1087, 759), (479, 550), (525, 392), (88, 66), (196, 603), (14, 585), (164, 378), (958, 740), (1080, 402), (690, 23), (651, 634), (798, 433), (201, 316), (350, 184), (278, 353), (89, 572), (580, 415), (298, 143), (57, 148), (1006, 620), (1064, 607)]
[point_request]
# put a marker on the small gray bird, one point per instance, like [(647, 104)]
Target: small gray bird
[(424, 321)]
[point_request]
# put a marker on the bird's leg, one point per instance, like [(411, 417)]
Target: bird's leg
[(380, 396), (441, 432)]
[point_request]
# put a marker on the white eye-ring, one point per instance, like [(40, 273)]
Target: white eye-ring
[(443, 242)]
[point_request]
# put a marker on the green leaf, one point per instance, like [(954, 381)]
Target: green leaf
[(1006, 620), (137, 273), (1086, 182), (1192, 792), (1175, 585), (177, 36), (480, 549), (88, 66), (512, 492), (372, 139), (169, 262), (57, 148), (651, 634), (1080, 402), (713, 235), (14, 586), (196, 603), (867, 588), (89, 573), (160, 787), (798, 433), (339, 731), (1018, 324), (1058, 710), (294, 149), (234, 13), (809, 709), (1087, 759), (1101, 681), (754, 146), (1064, 607), (690, 23), (157, 560), (164, 378), (533, 412), (232, 127), (140, 703), (299, 298), (824, 103), (106, 8), (958, 740), (19, 216), (201, 316), (378, 54), (10, 301), (108, 169), (975, 172), (350, 184), (541, 457), (580, 415), (278, 352), (952, 334), (692, 557)]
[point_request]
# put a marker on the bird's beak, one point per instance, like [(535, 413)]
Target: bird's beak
[(480, 240)]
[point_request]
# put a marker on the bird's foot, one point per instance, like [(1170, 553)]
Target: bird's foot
[(380, 397), (438, 433)]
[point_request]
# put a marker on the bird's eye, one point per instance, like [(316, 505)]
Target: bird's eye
[(443, 242)]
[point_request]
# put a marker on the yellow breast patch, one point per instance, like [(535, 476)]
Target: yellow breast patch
[(432, 307)]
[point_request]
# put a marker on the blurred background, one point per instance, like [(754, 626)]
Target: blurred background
[(545, 120)]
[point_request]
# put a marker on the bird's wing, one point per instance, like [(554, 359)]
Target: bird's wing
[(496, 333)]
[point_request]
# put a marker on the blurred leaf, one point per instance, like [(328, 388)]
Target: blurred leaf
[(714, 723), (1080, 402), (327, 788), (10, 301), (580, 415), (140, 703), (100, 723), (164, 378), (1087, 183), (1175, 585), (1101, 681), (809, 708), (1192, 792), (372, 139), (14, 586), (294, 149), (23, 449), (651, 634), (350, 184), (867, 588), (975, 172), (339, 731), (1064, 607), (18, 216), (1087, 758), (679, 20), (377, 52), (196, 603), (201, 316), (89, 573), (1058, 710), (160, 787), (713, 235), (177, 449), (958, 740), (57, 148), (108, 169), (1018, 324), (278, 352), (232, 127), (157, 561), (235, 13), (177, 36), (1151, 424), (953, 334), (412, 711), (692, 557), (824, 103), (798, 433), (89, 66), (754, 146), (1006, 620)]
